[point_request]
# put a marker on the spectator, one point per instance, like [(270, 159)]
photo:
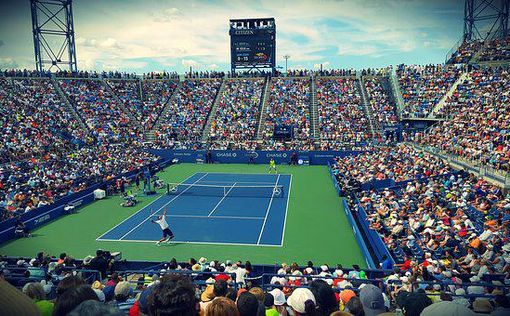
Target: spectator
[(222, 307), (71, 298), (303, 302), (174, 295)]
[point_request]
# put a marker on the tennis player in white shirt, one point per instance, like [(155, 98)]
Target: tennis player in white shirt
[(165, 228)]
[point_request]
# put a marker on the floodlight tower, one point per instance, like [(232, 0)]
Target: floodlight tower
[(485, 19), (53, 31)]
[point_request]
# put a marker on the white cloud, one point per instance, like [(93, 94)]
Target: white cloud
[(190, 63)]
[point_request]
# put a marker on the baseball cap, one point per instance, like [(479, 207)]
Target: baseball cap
[(298, 298), (372, 300)]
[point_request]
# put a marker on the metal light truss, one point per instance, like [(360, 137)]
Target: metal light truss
[(485, 19), (53, 31)]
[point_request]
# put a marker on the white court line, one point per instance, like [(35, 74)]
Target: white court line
[(286, 210), (238, 182), (247, 174), (193, 242), (143, 208), (215, 207), (161, 207), (267, 211), (218, 216)]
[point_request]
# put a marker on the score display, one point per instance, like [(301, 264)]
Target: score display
[(252, 47), (248, 50)]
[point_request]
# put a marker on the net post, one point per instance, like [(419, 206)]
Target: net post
[(168, 189)]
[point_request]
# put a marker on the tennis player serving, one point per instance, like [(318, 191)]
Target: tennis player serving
[(165, 228), (272, 166)]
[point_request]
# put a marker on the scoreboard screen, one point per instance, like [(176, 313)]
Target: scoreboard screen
[(252, 44), (256, 49)]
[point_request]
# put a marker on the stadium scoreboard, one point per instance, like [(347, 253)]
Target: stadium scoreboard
[(252, 44)]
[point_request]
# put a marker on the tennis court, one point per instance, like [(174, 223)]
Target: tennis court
[(215, 208)]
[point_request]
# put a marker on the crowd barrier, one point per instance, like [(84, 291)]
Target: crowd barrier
[(257, 156), (44, 214), (352, 222)]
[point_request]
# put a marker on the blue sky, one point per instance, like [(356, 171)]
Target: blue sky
[(154, 35)]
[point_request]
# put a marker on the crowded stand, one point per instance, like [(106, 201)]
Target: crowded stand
[(465, 52), (289, 105), (423, 87), (128, 92), (35, 120), (456, 223), (398, 163), (65, 286), (156, 93), (100, 110), (340, 110), (238, 110), (188, 112), (495, 50), (382, 109), (479, 113), (35, 182)]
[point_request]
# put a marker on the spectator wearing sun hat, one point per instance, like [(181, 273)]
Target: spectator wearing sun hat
[(123, 296), (206, 297), (280, 302), (302, 301)]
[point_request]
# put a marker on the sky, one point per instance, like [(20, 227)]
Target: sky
[(172, 35)]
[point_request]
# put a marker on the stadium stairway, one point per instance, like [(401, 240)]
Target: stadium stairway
[(364, 99), (70, 105), (397, 93), (149, 134), (212, 113), (119, 101), (313, 110), (263, 108), (448, 94)]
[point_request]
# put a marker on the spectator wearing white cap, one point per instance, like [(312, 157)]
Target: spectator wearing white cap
[(302, 302), (279, 302)]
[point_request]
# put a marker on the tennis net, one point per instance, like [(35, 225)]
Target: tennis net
[(265, 191)]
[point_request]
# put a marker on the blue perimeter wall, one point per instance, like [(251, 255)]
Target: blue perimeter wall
[(260, 157)]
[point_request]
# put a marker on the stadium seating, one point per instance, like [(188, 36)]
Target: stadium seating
[(396, 163), (238, 110), (423, 86), (100, 110), (289, 105), (156, 93), (446, 231), (35, 120), (188, 112), (478, 126), (382, 109), (340, 110)]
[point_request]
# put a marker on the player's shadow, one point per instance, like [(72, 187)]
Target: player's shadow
[(174, 244)]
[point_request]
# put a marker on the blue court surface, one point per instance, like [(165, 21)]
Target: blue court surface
[(215, 208)]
